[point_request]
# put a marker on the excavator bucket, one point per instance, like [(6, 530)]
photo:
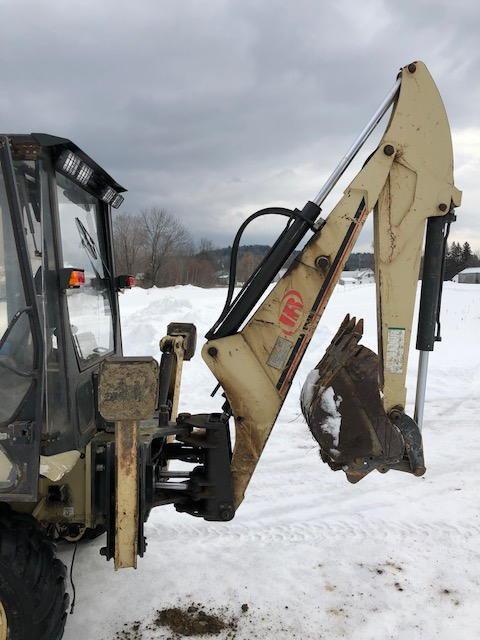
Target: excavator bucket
[(343, 407)]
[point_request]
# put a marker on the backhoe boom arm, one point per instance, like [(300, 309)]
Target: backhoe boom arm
[(408, 179)]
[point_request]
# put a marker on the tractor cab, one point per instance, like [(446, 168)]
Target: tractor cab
[(59, 316)]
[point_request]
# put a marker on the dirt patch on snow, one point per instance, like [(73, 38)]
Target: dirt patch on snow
[(131, 631), (194, 621), (197, 620)]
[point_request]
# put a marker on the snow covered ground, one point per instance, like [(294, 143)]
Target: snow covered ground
[(313, 556)]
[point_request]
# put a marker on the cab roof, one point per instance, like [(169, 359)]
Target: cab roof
[(57, 146)]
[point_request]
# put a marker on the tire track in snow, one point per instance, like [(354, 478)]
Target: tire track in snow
[(467, 401), (303, 532)]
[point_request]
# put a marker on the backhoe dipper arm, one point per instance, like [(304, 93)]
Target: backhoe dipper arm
[(408, 179)]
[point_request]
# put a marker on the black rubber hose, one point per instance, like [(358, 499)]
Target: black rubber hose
[(280, 211)]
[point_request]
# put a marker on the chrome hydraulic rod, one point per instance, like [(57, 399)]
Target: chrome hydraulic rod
[(430, 301), (174, 486), (358, 144), (287, 242), (421, 388)]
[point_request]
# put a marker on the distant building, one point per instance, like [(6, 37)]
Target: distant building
[(222, 279), (470, 276), (358, 276)]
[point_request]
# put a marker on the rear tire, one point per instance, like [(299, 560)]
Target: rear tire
[(32, 580)]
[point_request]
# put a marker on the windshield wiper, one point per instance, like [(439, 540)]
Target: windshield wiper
[(90, 246), (87, 240)]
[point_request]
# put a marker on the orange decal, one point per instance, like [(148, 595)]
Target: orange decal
[(291, 314)]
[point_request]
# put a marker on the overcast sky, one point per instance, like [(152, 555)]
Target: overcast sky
[(215, 108)]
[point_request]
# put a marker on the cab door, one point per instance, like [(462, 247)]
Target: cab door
[(88, 303), (21, 348)]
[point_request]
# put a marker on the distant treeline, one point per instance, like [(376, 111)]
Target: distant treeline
[(159, 250), (459, 257)]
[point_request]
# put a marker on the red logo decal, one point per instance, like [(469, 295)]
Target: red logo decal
[(290, 316)]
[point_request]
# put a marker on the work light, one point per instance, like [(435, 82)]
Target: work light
[(108, 195), (69, 163), (84, 173), (117, 201), (73, 166)]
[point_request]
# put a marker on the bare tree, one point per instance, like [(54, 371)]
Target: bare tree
[(128, 239), (205, 246), (157, 244), (202, 271), (203, 267), (164, 237)]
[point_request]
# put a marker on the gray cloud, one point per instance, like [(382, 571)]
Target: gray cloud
[(213, 109)]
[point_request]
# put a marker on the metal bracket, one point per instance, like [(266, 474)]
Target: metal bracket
[(207, 491), (18, 433)]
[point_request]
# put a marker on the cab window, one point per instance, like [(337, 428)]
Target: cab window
[(89, 306), (16, 343)]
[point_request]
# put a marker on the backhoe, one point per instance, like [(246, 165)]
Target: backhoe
[(87, 436)]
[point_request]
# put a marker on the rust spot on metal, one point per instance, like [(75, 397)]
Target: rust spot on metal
[(128, 457), (260, 321)]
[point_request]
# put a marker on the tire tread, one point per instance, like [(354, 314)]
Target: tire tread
[(38, 578)]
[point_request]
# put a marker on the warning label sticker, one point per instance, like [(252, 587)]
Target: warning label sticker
[(280, 352), (395, 349)]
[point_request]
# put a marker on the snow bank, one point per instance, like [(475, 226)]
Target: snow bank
[(393, 557)]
